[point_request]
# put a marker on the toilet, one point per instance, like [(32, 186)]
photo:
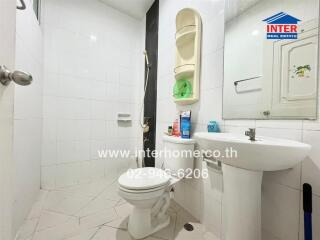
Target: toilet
[(149, 189)]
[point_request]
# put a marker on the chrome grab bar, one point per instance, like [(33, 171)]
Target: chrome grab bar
[(19, 77), (246, 79), (23, 5), (236, 83)]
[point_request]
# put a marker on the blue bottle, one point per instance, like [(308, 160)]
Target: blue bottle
[(213, 127), (185, 124)]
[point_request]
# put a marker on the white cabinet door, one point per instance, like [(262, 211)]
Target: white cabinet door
[(295, 74), (7, 47)]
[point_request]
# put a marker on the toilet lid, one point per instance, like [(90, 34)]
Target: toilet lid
[(143, 178)]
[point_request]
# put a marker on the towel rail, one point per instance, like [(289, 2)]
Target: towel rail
[(246, 79), (213, 163), (236, 83)]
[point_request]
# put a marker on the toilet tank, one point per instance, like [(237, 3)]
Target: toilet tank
[(174, 161)]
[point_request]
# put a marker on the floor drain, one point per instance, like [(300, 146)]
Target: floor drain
[(188, 227)]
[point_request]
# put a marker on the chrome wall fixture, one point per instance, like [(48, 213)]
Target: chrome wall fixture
[(236, 83), (19, 77), (23, 5)]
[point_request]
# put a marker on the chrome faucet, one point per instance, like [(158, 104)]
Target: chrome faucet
[(251, 134)]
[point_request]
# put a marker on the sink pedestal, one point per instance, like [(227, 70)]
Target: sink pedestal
[(241, 203), (242, 187)]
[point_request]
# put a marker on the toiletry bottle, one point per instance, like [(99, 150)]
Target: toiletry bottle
[(213, 126), (185, 124), (176, 128)]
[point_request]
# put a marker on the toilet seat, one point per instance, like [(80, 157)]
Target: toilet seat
[(138, 195), (140, 191), (144, 180)]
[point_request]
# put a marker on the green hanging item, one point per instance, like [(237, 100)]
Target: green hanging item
[(182, 89)]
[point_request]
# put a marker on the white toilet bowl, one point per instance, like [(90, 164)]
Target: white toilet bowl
[(147, 189)]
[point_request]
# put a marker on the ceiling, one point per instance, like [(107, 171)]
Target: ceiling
[(234, 8), (133, 8)]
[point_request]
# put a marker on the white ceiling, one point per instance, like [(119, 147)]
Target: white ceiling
[(133, 8), (234, 8)]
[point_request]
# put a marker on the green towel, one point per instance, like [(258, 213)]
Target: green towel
[(182, 89)]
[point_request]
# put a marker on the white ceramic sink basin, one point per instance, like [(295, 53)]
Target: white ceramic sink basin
[(242, 175), (265, 154)]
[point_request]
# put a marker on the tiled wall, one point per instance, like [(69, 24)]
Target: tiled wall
[(93, 57), (27, 115), (282, 217)]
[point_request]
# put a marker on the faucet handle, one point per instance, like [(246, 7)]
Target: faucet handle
[(251, 134), (250, 131)]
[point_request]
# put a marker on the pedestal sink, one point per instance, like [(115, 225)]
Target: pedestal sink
[(242, 176)]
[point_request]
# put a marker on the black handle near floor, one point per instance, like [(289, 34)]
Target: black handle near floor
[(307, 208)]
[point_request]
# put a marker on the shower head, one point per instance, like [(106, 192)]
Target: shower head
[(145, 53)]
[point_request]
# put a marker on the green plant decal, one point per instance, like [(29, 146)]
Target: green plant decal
[(301, 70)]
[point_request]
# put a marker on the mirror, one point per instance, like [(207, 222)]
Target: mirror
[(271, 59)]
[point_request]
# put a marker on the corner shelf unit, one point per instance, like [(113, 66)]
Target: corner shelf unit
[(188, 53)]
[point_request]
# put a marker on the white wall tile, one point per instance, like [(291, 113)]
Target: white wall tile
[(290, 177), (311, 175), (48, 177), (212, 214), (193, 202), (290, 124), (280, 211), (291, 134), (49, 152), (311, 125), (87, 81), (311, 170)]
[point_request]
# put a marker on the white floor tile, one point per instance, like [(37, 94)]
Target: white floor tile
[(96, 205), (71, 205), (199, 232), (98, 219), (124, 210), (42, 195), (27, 229), (95, 211), (120, 222), (54, 198), (59, 232), (85, 235), (35, 211), (89, 190), (168, 232), (51, 219), (111, 192), (115, 234)]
